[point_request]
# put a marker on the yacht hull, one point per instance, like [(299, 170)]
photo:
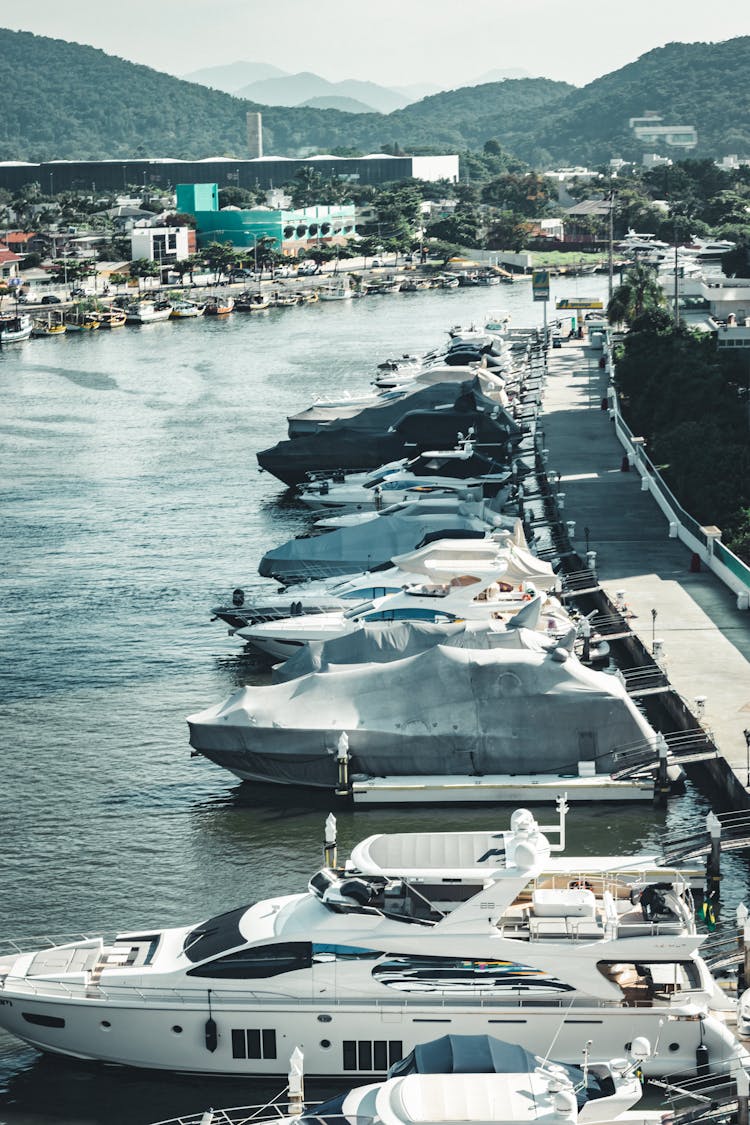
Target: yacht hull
[(340, 1039)]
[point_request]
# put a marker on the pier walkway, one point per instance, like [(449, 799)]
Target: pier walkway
[(706, 638)]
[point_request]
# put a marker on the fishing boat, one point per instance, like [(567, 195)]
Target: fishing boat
[(248, 301), (51, 325), (147, 312), (282, 300), (186, 310), (219, 305), (474, 931), (339, 290), (15, 328), (81, 319), (113, 317)]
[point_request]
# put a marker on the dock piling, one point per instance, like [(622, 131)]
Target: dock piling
[(713, 864)]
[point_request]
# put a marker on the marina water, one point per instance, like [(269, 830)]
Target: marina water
[(132, 503)]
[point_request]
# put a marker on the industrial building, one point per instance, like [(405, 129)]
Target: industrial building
[(261, 172)]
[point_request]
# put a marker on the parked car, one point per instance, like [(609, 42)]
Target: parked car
[(81, 291), (240, 274), (50, 299), (307, 268), (376, 263)]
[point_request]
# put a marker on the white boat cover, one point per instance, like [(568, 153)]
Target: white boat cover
[(445, 710), (350, 549)]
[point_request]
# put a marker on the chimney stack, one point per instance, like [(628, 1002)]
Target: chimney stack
[(255, 135)]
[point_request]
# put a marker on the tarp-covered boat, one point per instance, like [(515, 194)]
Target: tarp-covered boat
[(442, 711)]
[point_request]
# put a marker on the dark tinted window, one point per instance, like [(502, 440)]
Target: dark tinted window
[(215, 935), (261, 961)]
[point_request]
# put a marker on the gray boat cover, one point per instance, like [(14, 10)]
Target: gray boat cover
[(378, 642), (349, 550), (466, 1054), (445, 710)]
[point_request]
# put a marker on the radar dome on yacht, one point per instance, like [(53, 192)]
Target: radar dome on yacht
[(522, 820)]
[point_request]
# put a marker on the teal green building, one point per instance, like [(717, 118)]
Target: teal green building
[(292, 230)]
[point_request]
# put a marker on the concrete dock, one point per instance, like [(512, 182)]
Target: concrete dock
[(706, 639)]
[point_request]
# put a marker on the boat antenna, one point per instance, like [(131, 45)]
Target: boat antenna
[(556, 1036)]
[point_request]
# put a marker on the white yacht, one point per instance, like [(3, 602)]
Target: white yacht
[(473, 933), (452, 471), (327, 594), (468, 1080), (482, 595)]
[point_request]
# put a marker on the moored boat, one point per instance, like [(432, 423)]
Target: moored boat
[(219, 305), (473, 929), (250, 301), (81, 319), (14, 329), (147, 312), (113, 317), (186, 310), (51, 325)]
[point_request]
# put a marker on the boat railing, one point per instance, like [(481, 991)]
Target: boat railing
[(271, 1111), (97, 993), (35, 943)]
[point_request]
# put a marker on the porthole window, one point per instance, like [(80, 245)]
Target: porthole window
[(105, 1025), (324, 1019), (325, 1043), (177, 1029), (674, 1046)]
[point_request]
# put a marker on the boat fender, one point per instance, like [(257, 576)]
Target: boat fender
[(238, 597), (212, 1034), (702, 1060), (324, 488)]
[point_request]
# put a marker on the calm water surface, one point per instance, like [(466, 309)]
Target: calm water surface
[(132, 503)]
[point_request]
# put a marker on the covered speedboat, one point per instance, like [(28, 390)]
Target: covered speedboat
[(368, 546), (443, 711), (376, 435)]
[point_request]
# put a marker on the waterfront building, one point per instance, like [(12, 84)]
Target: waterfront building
[(292, 230), (161, 244)]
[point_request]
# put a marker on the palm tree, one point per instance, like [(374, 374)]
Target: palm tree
[(638, 291)]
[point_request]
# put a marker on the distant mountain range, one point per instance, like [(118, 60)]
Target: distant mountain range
[(267, 84), (63, 115)]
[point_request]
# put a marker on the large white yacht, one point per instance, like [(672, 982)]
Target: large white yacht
[(463, 933)]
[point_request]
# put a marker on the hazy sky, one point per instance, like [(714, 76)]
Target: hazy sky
[(395, 42)]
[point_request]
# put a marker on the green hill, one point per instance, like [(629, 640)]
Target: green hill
[(67, 101)]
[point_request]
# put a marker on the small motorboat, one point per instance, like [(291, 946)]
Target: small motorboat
[(467, 1080), (148, 312), (185, 310), (250, 302), (113, 317), (219, 305), (14, 329), (80, 319), (51, 325)]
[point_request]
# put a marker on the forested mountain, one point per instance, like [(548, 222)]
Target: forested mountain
[(63, 100)]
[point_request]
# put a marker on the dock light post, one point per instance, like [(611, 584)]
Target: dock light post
[(329, 850), (296, 1084)]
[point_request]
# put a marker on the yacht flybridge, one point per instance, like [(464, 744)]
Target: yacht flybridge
[(462, 933)]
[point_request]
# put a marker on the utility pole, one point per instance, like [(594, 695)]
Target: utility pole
[(676, 311), (610, 262)]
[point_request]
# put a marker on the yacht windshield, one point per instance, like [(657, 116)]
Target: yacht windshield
[(215, 936)]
